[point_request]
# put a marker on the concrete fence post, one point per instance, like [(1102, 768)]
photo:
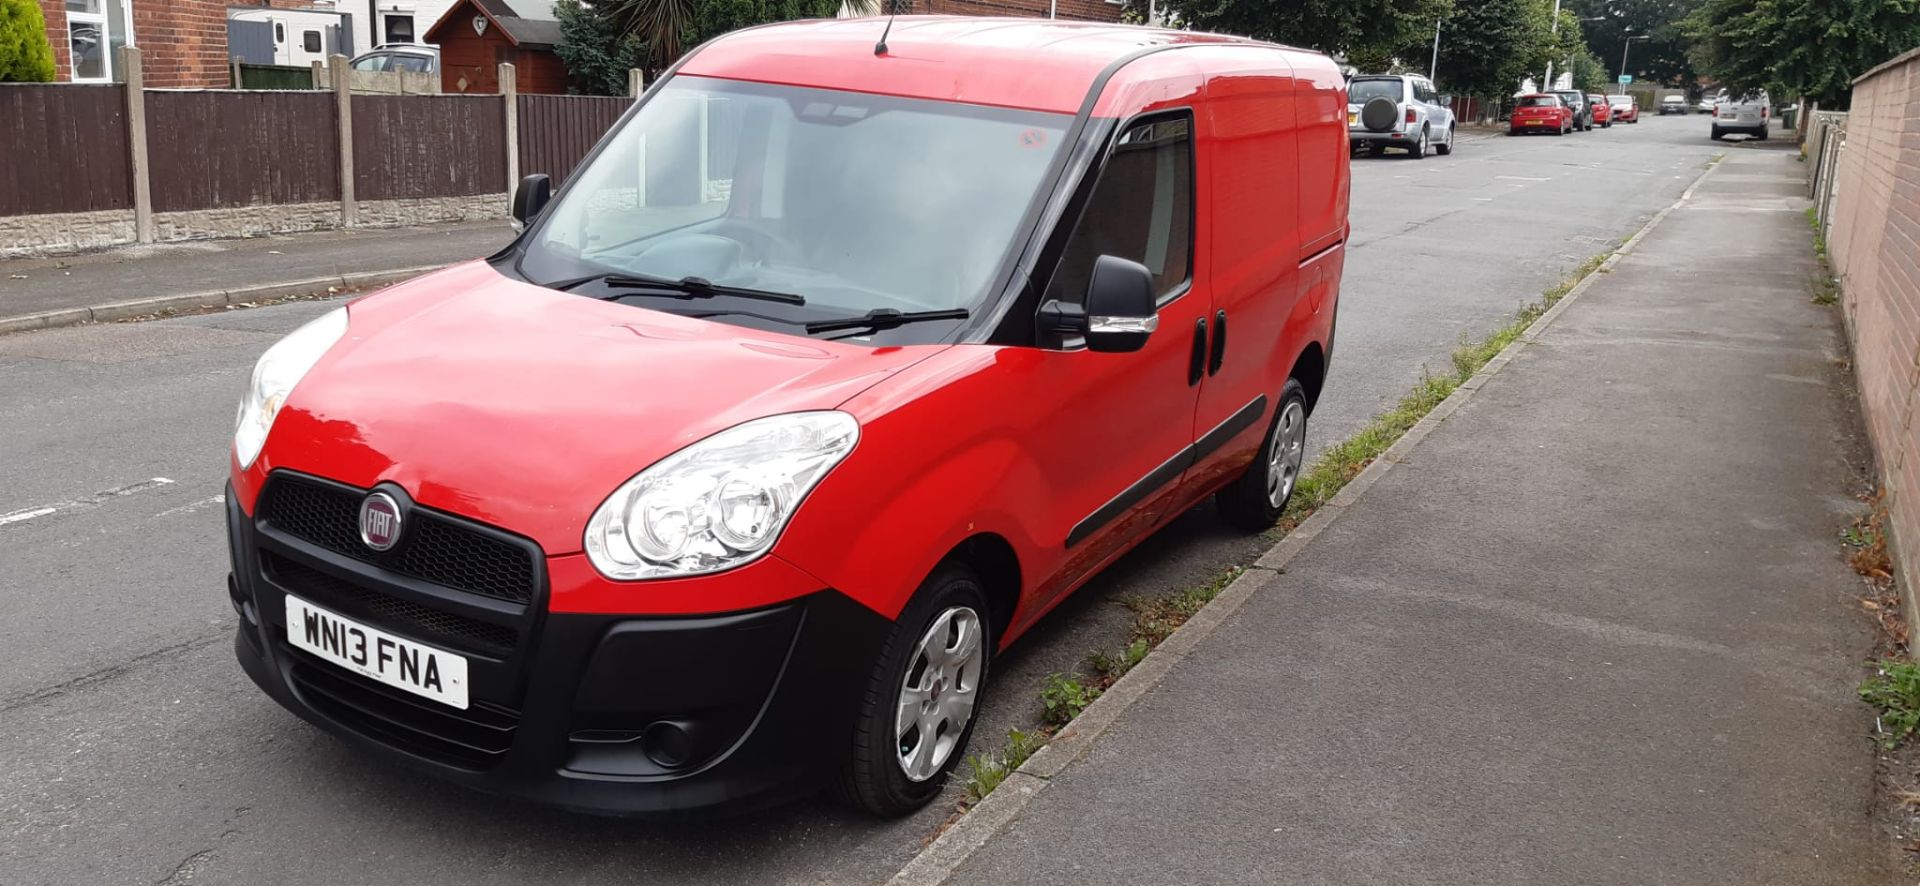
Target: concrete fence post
[(636, 82), (233, 68), (510, 93), (343, 102), (320, 76), (139, 167)]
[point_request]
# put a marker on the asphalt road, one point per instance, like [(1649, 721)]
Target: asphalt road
[(135, 751)]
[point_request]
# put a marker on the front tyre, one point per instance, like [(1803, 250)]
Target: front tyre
[(923, 697), (1256, 500)]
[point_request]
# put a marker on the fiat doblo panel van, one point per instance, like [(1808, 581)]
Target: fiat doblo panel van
[(844, 357)]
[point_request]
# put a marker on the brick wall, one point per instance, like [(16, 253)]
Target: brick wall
[(1874, 241), (1088, 10), (55, 12), (183, 42)]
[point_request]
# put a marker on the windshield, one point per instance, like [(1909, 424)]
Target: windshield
[(855, 202), (1539, 101), (1359, 91), (1620, 99)]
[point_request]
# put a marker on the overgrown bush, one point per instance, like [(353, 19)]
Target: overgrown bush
[(25, 54)]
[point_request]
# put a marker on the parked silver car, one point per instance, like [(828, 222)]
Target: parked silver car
[(418, 58), (1399, 111)]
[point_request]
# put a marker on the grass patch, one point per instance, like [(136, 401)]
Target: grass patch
[(1155, 619), (1895, 692)]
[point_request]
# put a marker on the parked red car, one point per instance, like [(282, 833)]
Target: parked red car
[(848, 354), (1540, 112), (1602, 110), (1626, 108)]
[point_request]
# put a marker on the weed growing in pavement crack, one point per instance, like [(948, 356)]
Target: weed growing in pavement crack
[(1156, 618), (1895, 691), (1063, 698), (1826, 287), (992, 769)]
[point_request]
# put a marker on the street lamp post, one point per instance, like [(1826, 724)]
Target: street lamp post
[(1547, 84), (1626, 45), (1433, 67)]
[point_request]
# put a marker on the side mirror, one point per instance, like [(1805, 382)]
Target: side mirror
[(1447, 100), (1119, 311), (531, 197)]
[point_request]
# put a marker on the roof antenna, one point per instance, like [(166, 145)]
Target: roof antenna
[(880, 48)]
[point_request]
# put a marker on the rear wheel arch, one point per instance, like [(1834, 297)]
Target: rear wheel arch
[(1310, 370)]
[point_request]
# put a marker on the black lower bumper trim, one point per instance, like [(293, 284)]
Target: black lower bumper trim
[(614, 714)]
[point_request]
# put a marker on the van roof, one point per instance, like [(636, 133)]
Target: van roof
[(1034, 64)]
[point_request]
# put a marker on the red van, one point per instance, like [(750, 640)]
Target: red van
[(848, 354)]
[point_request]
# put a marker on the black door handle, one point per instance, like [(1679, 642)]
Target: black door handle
[(1196, 367), (1219, 355)]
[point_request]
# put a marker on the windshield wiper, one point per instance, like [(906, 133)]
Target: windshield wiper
[(685, 287), (884, 318)]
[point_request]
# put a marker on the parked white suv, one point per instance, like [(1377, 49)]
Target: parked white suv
[(1398, 111), (1749, 114)]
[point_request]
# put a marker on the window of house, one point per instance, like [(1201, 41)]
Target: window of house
[(399, 28), (96, 29), (1141, 209), (310, 41)]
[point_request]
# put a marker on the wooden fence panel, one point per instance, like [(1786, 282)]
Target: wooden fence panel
[(220, 148), (63, 148), (557, 131), (428, 146)]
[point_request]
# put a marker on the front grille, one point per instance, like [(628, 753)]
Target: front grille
[(475, 738), (435, 547), (404, 616)]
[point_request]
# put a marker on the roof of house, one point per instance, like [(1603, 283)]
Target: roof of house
[(529, 24), (1037, 64)]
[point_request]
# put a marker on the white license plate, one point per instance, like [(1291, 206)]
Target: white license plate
[(377, 655)]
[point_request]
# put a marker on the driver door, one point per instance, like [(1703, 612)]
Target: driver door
[(1117, 441)]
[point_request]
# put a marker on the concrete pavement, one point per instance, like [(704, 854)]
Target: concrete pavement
[(1595, 628), (124, 282)]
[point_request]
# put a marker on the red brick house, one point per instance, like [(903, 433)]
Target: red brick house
[(476, 36), (183, 43)]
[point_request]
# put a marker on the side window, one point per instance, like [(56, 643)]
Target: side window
[(311, 41), (1141, 209)]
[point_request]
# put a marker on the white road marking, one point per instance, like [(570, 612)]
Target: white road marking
[(1522, 178), (23, 516), (193, 506), (83, 503)]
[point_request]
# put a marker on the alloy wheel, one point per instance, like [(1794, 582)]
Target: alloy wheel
[(938, 693), (1286, 453)]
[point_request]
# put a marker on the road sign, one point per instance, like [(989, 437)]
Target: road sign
[(1626, 79)]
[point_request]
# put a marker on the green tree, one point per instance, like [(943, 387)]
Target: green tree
[(1589, 75), (1660, 42), (1369, 34), (594, 48), (25, 55), (1811, 48), (1488, 46)]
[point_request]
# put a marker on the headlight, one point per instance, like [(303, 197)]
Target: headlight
[(718, 503), (279, 369)]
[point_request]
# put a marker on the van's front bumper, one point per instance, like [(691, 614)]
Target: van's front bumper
[(619, 714)]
